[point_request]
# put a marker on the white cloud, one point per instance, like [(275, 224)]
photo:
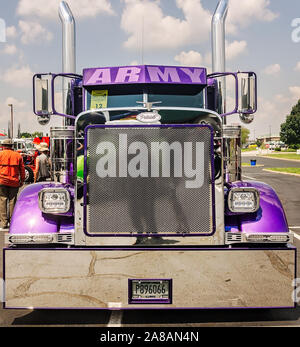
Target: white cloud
[(11, 32), (273, 69), (297, 68), (194, 58), (23, 114), (235, 48), (18, 77), (190, 58), (242, 13), (49, 9), (270, 115), (282, 98), (295, 92), (163, 31), (10, 49), (272, 112), (18, 106), (289, 99), (17, 103), (33, 32)]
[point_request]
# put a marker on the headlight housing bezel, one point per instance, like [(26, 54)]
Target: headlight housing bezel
[(60, 192), (244, 207)]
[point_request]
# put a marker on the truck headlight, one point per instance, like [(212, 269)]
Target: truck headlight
[(243, 200), (56, 201)]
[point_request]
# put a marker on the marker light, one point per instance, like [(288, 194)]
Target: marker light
[(269, 238), (25, 239), (243, 200), (56, 201)]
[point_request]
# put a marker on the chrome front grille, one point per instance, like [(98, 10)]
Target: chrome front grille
[(149, 180)]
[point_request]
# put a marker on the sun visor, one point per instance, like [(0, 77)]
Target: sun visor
[(144, 74)]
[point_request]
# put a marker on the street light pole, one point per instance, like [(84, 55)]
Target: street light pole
[(11, 120)]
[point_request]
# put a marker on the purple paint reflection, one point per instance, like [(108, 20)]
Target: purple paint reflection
[(269, 218)]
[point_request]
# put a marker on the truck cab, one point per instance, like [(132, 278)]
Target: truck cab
[(148, 192)]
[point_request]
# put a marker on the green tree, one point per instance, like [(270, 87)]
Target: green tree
[(259, 142), (37, 134), (245, 135), (290, 130), (25, 135)]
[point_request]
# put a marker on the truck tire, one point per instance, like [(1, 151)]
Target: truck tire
[(29, 177)]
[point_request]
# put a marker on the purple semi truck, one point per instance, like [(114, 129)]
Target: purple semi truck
[(147, 207)]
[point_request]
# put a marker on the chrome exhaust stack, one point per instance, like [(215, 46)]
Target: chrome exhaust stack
[(218, 46), (63, 138), (231, 133), (68, 38), (68, 49), (218, 36)]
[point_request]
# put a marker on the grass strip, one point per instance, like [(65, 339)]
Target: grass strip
[(292, 170), (292, 156)]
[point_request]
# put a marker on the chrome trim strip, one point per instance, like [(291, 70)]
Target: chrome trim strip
[(59, 238), (240, 237)]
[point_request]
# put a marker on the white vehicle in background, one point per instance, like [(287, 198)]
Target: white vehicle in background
[(27, 150), (24, 145), (272, 146)]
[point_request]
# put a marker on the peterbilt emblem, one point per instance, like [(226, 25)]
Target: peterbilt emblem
[(148, 117)]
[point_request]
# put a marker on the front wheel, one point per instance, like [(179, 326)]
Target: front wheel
[(29, 176)]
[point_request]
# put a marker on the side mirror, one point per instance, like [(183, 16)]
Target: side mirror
[(234, 93), (225, 86), (42, 94), (246, 118), (52, 95), (43, 119), (248, 96), (62, 101)]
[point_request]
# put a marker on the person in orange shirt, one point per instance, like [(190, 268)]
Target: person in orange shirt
[(12, 176)]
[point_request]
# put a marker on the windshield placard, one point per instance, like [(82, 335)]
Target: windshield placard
[(99, 99)]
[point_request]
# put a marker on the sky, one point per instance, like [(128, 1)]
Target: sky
[(261, 36)]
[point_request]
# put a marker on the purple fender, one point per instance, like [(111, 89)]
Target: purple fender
[(269, 218), (27, 217)]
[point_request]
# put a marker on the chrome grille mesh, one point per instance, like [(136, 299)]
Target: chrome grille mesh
[(118, 205)]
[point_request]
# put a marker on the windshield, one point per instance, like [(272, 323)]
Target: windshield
[(193, 101), (112, 98), (108, 99)]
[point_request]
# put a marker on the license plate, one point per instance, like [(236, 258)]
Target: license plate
[(150, 291)]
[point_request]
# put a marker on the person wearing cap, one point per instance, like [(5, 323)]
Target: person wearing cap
[(43, 163), (12, 176)]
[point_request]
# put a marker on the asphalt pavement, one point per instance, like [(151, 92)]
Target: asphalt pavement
[(288, 190), (286, 186)]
